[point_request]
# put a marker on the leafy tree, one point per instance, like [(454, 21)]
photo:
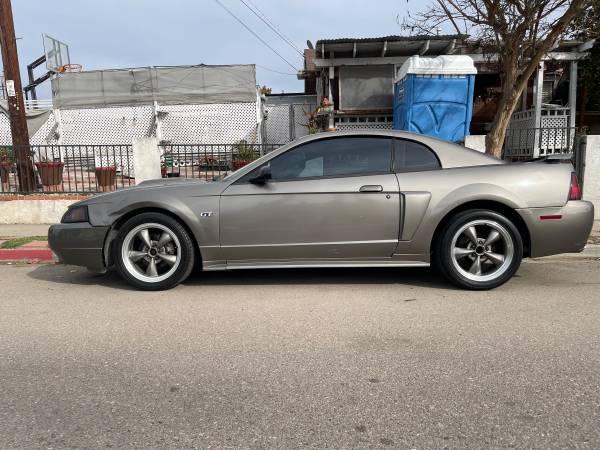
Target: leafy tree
[(517, 32)]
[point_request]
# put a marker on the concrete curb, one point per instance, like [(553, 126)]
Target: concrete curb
[(36, 255)]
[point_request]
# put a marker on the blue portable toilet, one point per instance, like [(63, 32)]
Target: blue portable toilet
[(434, 96)]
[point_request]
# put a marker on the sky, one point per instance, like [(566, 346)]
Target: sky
[(104, 34)]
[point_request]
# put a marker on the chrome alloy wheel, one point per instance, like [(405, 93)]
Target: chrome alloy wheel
[(482, 250), (151, 252)]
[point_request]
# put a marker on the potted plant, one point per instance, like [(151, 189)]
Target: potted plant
[(166, 164), (6, 166), (243, 154), (106, 177), (208, 163), (51, 174), (314, 122)]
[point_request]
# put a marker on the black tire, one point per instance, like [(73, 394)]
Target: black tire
[(180, 248), (478, 266)]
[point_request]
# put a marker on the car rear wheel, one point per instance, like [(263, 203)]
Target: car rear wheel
[(479, 249), (153, 252)]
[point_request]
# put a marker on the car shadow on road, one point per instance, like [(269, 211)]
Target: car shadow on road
[(421, 277), (424, 277), (72, 275)]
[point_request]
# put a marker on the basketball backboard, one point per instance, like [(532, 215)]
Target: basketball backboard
[(57, 54)]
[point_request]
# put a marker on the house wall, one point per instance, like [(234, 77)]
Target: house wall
[(591, 183)]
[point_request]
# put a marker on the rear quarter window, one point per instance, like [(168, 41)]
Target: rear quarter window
[(411, 156)]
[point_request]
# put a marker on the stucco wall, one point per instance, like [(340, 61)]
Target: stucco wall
[(146, 159), (475, 142), (591, 183), (33, 211)]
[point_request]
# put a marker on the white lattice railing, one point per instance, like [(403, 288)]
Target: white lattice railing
[(526, 138), (366, 122)]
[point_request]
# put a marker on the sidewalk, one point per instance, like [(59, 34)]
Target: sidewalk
[(20, 230), (21, 245)]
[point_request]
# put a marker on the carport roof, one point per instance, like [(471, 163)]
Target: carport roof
[(387, 45), (392, 38), (396, 49)]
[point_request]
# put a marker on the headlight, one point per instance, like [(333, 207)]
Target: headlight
[(75, 214)]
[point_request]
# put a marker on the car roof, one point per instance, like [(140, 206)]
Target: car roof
[(449, 153)]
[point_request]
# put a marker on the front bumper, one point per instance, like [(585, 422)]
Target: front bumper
[(567, 234), (78, 244)]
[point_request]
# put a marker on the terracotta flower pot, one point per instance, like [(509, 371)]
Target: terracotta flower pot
[(106, 178), (51, 174), (239, 163)]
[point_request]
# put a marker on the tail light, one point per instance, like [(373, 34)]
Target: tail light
[(575, 189)]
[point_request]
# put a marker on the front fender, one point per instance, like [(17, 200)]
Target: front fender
[(199, 213)]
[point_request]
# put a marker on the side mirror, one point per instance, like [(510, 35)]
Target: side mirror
[(263, 175)]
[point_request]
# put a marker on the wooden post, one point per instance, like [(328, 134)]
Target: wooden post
[(16, 105), (331, 125), (572, 98), (537, 105)]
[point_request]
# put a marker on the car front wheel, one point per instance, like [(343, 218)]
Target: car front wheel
[(154, 252), (479, 249)]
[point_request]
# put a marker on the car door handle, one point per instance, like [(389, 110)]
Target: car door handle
[(371, 188)]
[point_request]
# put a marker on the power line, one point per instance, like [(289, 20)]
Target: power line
[(254, 34), (271, 25), (288, 40), (276, 71)]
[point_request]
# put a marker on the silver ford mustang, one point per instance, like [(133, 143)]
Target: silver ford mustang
[(371, 199)]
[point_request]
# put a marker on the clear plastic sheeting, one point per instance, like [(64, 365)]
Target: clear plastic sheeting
[(366, 87), (167, 85)]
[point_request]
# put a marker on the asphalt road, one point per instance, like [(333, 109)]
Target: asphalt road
[(303, 358)]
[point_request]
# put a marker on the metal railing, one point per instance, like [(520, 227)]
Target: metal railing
[(529, 143), (70, 169), (208, 161), (87, 169)]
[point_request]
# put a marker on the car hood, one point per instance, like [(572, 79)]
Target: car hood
[(179, 186), (169, 182)]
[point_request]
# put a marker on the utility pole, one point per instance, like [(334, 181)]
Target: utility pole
[(16, 105)]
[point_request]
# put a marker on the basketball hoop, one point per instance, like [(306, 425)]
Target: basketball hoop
[(70, 68)]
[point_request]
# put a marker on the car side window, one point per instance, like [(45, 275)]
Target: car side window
[(334, 157), (411, 156)]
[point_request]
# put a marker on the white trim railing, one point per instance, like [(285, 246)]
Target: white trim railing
[(37, 104)]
